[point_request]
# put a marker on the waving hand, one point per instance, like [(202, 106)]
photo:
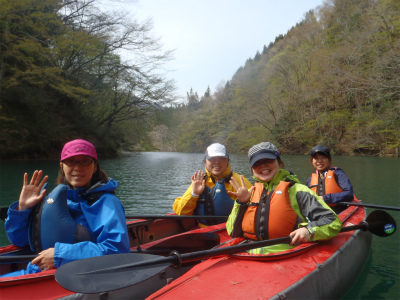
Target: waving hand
[(30, 194)]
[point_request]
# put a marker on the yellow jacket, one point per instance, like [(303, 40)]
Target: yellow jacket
[(186, 204)]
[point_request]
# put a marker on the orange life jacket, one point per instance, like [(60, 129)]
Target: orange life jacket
[(323, 186), (269, 215)]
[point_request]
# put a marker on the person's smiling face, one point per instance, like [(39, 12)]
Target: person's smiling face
[(217, 165), (265, 169), (320, 162), (79, 170)]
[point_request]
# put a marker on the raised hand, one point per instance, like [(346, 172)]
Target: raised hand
[(198, 182), (242, 193), (30, 194)]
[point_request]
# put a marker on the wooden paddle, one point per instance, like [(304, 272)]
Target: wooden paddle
[(112, 272), (184, 243)]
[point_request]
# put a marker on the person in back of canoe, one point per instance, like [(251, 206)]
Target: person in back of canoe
[(278, 205), (330, 183), (207, 195), (80, 218)]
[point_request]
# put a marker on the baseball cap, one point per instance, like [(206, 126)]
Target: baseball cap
[(320, 149), (78, 147), (264, 150), (216, 149)]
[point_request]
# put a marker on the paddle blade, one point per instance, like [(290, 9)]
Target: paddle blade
[(75, 276), (381, 223)]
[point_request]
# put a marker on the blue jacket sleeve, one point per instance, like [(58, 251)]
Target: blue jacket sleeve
[(17, 225), (347, 189), (308, 182), (106, 219)]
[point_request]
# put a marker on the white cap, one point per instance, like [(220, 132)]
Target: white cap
[(216, 150)]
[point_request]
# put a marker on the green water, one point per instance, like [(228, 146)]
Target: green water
[(149, 182)]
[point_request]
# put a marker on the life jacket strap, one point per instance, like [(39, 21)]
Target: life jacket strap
[(262, 218)]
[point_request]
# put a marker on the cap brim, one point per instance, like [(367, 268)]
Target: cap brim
[(259, 156), (77, 154), (320, 152), (217, 155)]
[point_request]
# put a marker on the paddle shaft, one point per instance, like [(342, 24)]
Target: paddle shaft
[(194, 255), (188, 257), (197, 217), (366, 205), (17, 258), (175, 217), (30, 257), (174, 259), (4, 210)]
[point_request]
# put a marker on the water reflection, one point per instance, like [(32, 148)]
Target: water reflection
[(149, 183)]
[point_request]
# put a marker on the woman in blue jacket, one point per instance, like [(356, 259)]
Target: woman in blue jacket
[(92, 223)]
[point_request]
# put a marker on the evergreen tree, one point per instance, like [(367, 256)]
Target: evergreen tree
[(192, 99), (208, 92)]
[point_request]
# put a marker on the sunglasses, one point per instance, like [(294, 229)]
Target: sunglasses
[(83, 162)]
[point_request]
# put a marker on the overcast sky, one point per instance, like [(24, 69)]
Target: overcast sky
[(213, 38)]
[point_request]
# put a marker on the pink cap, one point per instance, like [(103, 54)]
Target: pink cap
[(78, 147)]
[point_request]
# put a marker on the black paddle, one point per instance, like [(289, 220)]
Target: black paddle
[(112, 272), (175, 217), (366, 205), (4, 212), (184, 243)]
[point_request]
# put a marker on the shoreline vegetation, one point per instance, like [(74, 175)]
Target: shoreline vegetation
[(332, 79), (124, 153)]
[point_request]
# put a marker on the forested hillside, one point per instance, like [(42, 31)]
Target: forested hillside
[(62, 77), (333, 79)]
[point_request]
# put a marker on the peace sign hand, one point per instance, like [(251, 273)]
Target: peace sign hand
[(242, 194)]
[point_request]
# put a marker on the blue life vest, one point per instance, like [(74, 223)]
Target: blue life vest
[(214, 202), (51, 222)]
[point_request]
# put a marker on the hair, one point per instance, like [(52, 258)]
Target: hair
[(280, 162), (99, 175)]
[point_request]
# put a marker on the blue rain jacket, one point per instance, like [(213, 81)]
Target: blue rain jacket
[(104, 219)]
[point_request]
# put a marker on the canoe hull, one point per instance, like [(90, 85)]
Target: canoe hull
[(334, 277), (326, 271), (323, 271)]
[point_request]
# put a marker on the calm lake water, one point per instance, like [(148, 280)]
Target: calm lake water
[(149, 182)]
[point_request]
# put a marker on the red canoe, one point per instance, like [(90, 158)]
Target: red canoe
[(309, 271)]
